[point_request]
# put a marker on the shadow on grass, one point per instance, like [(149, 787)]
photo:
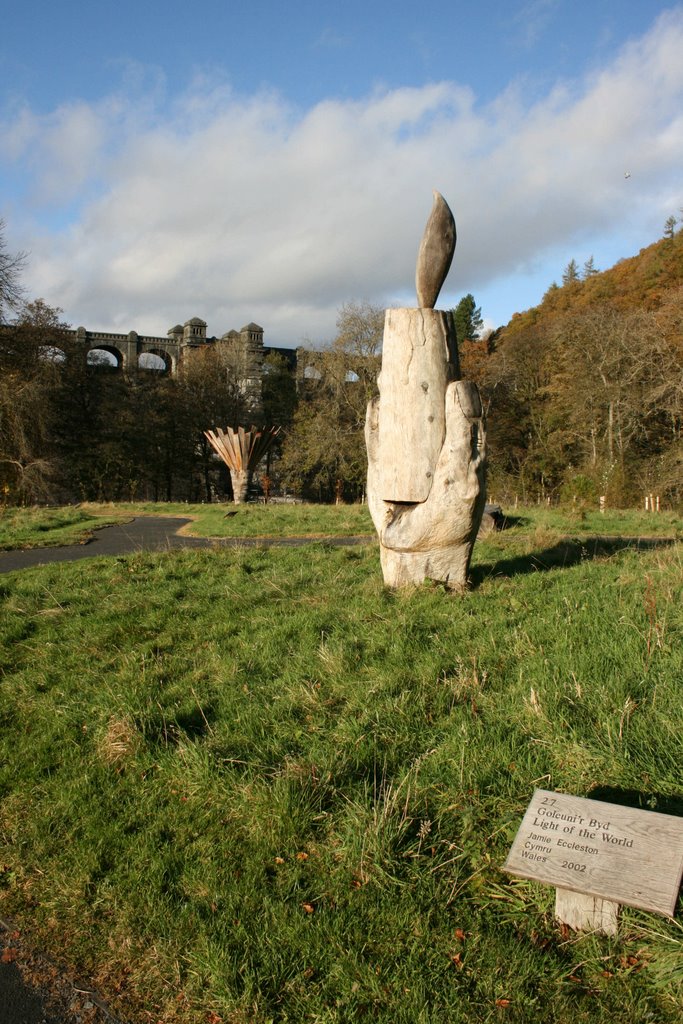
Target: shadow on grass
[(508, 522), (166, 731), (642, 801), (565, 554)]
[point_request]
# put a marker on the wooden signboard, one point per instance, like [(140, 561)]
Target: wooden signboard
[(609, 853)]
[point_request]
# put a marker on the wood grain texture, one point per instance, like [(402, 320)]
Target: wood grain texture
[(586, 913), (435, 254), (419, 360), (608, 851), (241, 450)]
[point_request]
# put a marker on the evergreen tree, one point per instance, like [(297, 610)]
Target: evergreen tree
[(670, 226), (468, 319), (589, 269), (570, 275)]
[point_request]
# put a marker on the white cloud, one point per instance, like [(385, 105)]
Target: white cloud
[(240, 207)]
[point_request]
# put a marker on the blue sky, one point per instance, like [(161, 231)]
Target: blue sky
[(270, 162)]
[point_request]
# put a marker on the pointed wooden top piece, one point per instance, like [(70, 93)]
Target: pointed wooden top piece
[(435, 254)]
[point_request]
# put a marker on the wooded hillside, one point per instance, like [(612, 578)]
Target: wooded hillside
[(585, 391)]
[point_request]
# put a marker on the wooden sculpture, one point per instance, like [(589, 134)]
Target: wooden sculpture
[(425, 434), (241, 450)]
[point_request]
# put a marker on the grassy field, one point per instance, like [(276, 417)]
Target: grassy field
[(255, 786), (40, 527)]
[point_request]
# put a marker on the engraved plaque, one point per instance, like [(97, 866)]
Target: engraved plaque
[(605, 850)]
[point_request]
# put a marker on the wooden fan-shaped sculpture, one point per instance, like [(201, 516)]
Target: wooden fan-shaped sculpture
[(241, 450)]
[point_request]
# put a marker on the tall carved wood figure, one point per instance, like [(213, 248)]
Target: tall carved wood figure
[(425, 434)]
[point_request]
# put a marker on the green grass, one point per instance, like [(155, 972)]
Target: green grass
[(38, 527), (45, 527), (578, 522), (254, 520), (255, 784)]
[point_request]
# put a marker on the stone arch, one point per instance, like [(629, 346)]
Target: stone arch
[(151, 364), (95, 359)]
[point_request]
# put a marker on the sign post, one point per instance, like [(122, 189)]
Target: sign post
[(598, 856)]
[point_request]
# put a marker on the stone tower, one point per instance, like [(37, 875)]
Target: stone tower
[(244, 354)]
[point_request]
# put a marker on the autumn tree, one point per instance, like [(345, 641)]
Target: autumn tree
[(588, 384), (11, 267), (279, 402), (34, 349), (660, 465), (203, 396), (324, 452), (360, 326), (519, 423), (614, 389), (594, 394)]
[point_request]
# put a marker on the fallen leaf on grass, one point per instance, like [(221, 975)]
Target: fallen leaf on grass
[(542, 941), (459, 934), (9, 955), (308, 907), (502, 1002)]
